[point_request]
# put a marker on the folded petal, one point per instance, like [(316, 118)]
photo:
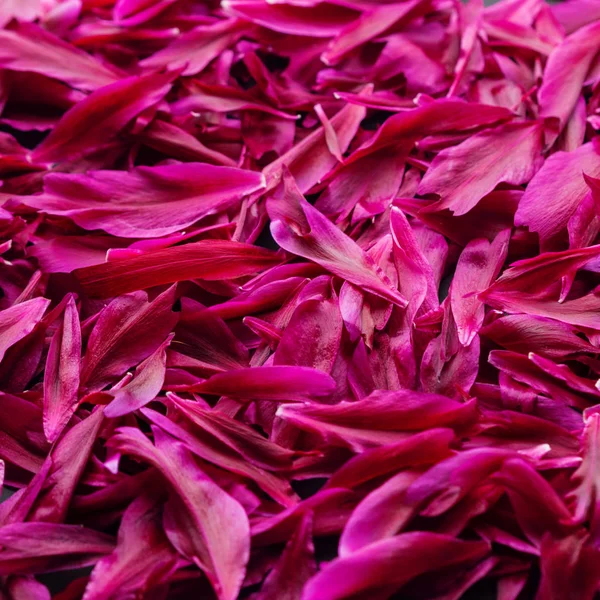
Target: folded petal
[(565, 73), (19, 320), (534, 275), (301, 229), (127, 331), (211, 260), (143, 556), (380, 515), (97, 120), (419, 449), (294, 568), (581, 312), (68, 460), (478, 265), (538, 507), (208, 525), (379, 419), (437, 116), (445, 484), (144, 387), (530, 333)]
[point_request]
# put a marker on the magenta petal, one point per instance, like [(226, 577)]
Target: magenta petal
[(144, 387), (147, 201), (19, 320), (269, 383), (464, 174), (301, 229), (570, 61), (101, 117), (121, 338), (556, 191), (143, 555), (32, 49), (61, 381), (374, 569), (195, 523)]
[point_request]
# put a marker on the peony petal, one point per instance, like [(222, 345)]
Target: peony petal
[(556, 190), (204, 511), (464, 174), (144, 387), (147, 201), (19, 320), (301, 229), (529, 333), (269, 383), (194, 50), (32, 49), (101, 117), (28, 547), (61, 380), (478, 265), (143, 556), (209, 259), (569, 61), (373, 570), (127, 331), (380, 419), (294, 568)]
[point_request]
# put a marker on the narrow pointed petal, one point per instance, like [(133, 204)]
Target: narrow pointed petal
[(212, 260), (269, 383), (61, 380), (374, 569), (97, 120), (301, 229)]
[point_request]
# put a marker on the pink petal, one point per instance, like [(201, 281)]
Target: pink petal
[(101, 117), (209, 259), (147, 201), (19, 320), (464, 174), (269, 383), (374, 569), (556, 191), (127, 331), (301, 229), (61, 380), (32, 49)]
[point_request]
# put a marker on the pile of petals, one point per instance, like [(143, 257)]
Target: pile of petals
[(300, 299)]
